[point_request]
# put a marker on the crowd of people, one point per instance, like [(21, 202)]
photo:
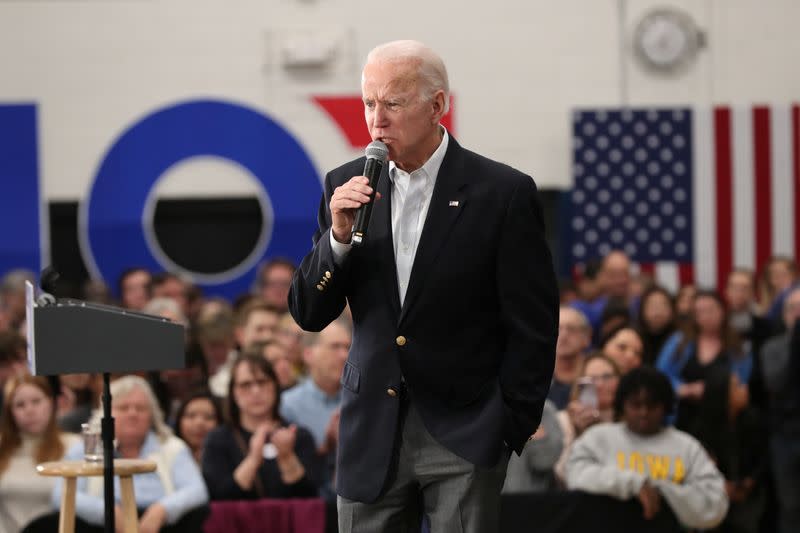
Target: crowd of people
[(687, 402)]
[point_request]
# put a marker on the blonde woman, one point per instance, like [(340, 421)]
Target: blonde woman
[(171, 499), (28, 436)]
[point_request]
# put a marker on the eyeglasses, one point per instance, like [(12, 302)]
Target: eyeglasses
[(602, 377), (253, 384)]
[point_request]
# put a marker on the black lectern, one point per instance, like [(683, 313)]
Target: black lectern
[(71, 336)]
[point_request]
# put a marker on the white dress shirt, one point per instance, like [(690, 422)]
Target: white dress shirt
[(404, 253)]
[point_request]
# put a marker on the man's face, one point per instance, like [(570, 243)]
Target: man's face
[(642, 415), (739, 291), (134, 290), (327, 357), (395, 112), (275, 286), (616, 276), (132, 416), (261, 325), (172, 288), (573, 334)]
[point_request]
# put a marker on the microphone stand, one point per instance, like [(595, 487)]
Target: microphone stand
[(107, 430)]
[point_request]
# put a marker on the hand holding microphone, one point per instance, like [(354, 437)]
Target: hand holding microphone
[(351, 203)]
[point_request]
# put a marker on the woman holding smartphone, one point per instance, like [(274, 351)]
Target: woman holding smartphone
[(592, 401)]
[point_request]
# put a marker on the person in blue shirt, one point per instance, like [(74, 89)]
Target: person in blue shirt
[(689, 356), (173, 498)]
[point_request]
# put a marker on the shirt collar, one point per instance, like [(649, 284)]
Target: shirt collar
[(320, 394), (433, 164)]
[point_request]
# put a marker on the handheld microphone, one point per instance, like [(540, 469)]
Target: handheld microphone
[(377, 154)]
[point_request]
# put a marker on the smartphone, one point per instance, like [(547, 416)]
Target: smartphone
[(587, 392)]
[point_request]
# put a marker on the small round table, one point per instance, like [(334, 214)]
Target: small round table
[(70, 470)]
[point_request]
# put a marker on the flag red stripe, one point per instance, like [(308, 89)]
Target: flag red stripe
[(796, 167), (685, 273), (723, 158), (762, 186), (647, 268)]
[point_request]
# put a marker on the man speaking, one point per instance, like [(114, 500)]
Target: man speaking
[(454, 305)]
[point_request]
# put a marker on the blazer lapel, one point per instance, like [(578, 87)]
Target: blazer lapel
[(446, 205)]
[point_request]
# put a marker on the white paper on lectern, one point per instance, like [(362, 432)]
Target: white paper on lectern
[(29, 326)]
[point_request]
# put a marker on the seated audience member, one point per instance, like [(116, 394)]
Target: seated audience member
[(96, 291), (780, 276), (172, 286), (12, 294), (173, 498), (534, 469), (256, 321), (314, 403), (274, 280), (28, 436), (173, 386), (592, 402), (290, 335), (734, 437), (567, 291), (640, 457), (134, 288), (276, 354), (254, 454), (656, 321), (215, 337), (689, 356), (197, 416), (83, 392), (574, 337), (13, 360), (624, 346), (780, 366), (588, 285)]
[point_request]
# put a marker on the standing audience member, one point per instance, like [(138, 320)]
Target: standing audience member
[(574, 337), (592, 402), (172, 286), (656, 321), (171, 499), (641, 458), (534, 469), (588, 286), (684, 301), (614, 281), (28, 436), (734, 437), (780, 275), (780, 365), (274, 280), (690, 355), (197, 416), (624, 346), (134, 288), (752, 328), (278, 357), (254, 454)]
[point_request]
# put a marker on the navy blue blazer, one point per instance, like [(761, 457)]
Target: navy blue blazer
[(475, 337)]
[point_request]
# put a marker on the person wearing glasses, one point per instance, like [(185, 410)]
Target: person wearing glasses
[(255, 454)]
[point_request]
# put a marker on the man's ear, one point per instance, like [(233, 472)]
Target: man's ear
[(437, 104)]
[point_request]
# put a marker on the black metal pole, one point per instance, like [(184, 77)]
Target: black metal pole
[(107, 429)]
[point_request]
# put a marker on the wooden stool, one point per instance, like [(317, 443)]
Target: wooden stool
[(69, 470)]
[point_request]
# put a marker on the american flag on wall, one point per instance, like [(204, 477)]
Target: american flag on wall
[(689, 194)]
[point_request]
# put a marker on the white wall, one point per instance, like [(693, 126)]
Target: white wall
[(517, 69)]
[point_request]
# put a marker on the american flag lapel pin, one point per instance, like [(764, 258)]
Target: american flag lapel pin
[(453, 203)]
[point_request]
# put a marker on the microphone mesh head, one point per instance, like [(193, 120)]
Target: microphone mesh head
[(377, 150)]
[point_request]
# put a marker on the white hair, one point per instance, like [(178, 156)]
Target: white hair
[(430, 67), (157, 306), (125, 385)]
